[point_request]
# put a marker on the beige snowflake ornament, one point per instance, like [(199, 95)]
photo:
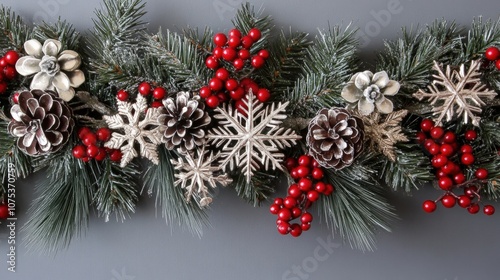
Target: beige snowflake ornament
[(457, 93), (135, 124)]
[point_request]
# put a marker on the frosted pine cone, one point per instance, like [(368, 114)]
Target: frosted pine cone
[(184, 120), (42, 121), (335, 138)]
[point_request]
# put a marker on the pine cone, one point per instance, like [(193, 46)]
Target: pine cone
[(184, 119), (335, 138), (42, 121)]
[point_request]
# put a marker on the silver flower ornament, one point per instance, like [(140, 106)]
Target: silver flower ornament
[(369, 91), (53, 69)]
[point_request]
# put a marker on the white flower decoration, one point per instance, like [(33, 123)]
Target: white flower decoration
[(54, 70), (369, 91)]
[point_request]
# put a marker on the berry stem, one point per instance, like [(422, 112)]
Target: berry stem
[(91, 102)]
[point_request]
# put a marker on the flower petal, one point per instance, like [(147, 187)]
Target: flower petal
[(391, 88), (69, 60), (381, 79), (51, 47), (362, 80), (61, 81), (365, 107), (385, 107), (41, 81), (33, 48), (28, 65), (351, 93), (76, 78), (66, 95)]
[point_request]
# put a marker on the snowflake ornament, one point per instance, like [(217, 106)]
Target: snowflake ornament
[(195, 171), (252, 138), (457, 93), (135, 124)]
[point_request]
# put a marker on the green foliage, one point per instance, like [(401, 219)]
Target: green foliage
[(61, 210), (116, 190), (6, 140), (247, 18), (482, 34), (159, 179), (14, 31), (258, 190), (61, 31)]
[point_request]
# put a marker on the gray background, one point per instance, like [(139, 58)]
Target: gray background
[(242, 242)]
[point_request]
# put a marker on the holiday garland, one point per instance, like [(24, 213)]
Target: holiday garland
[(244, 110)]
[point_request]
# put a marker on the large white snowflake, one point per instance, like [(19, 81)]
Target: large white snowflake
[(135, 124), (253, 138), (457, 93), (195, 171)]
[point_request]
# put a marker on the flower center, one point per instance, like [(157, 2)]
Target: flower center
[(49, 65), (33, 126), (332, 133), (372, 93)]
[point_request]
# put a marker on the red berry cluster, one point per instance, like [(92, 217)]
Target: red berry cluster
[(7, 69), (492, 54), (449, 160), (145, 89), (307, 189), (92, 145), (236, 51), (4, 211)]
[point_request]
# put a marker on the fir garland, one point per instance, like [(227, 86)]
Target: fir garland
[(282, 79)]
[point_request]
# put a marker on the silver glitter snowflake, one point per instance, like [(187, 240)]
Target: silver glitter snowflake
[(252, 138), (135, 124), (457, 93), (195, 171)]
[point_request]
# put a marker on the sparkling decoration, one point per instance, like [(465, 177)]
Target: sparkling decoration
[(335, 137), (253, 137), (367, 91), (383, 133), (53, 69), (457, 93), (184, 120), (41, 121), (135, 123), (197, 169)]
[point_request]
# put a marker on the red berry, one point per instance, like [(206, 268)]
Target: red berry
[(11, 57), (448, 201), (15, 98), (470, 135), (449, 167), (234, 41), (305, 227), (283, 227), (466, 149), (440, 173), (257, 61), (312, 195), (289, 202), (426, 125), (481, 173), (446, 150), (467, 159), (445, 183), (251, 86), (459, 178), (274, 209), (290, 163), (238, 64), (497, 64), (305, 184), (101, 155), (246, 42), (421, 137), (263, 94), (244, 54), (464, 201), (220, 39), (302, 171), (79, 151), (437, 132), (215, 84), (439, 161), (473, 208), (89, 139), (122, 95), (320, 187), (103, 134), (489, 210), (296, 212), (294, 191), (212, 101), (3, 63), (3, 87), (255, 34), (470, 191), (115, 155), (284, 214), (9, 72), (429, 206), (306, 218), (234, 33), (492, 53), (304, 160), (159, 93), (434, 149), (315, 163), (92, 151), (144, 88), (205, 92), (4, 211), (222, 74), (217, 53), (317, 173), (295, 230), (329, 189), (222, 97), (278, 201), (264, 54), (229, 54), (231, 84), (83, 131), (212, 62), (237, 94), (449, 137)]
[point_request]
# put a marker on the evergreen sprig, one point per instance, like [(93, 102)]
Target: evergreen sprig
[(247, 18), (258, 190), (481, 35), (14, 31), (62, 31)]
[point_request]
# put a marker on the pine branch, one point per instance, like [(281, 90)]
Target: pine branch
[(247, 18), (170, 199), (61, 211), (480, 36), (357, 208), (116, 190), (330, 62), (62, 31), (6, 140), (258, 190), (13, 30)]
